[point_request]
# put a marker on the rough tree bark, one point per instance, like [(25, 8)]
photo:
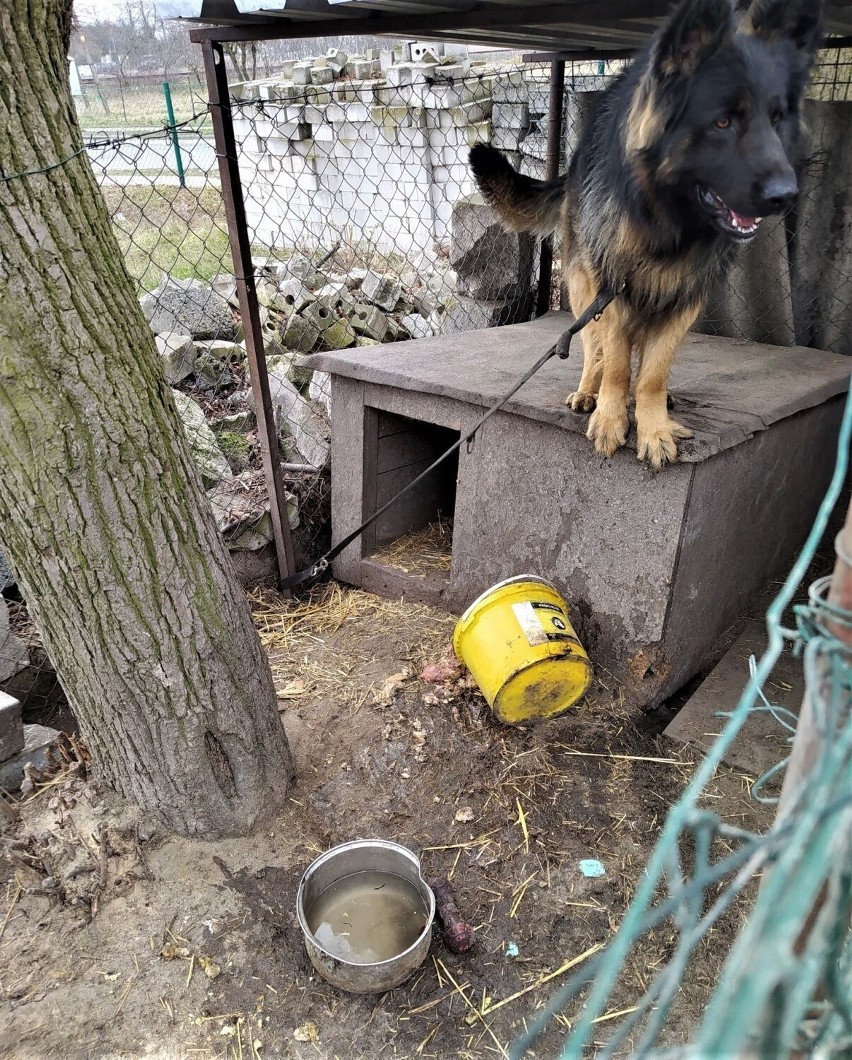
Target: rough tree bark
[(101, 509)]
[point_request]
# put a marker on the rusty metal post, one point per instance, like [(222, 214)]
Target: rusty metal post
[(554, 153), (235, 212)]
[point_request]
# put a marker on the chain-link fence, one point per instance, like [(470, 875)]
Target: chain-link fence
[(365, 227), (135, 102), (786, 987)]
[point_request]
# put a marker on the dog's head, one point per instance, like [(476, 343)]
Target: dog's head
[(715, 120)]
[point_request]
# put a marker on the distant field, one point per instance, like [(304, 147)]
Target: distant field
[(137, 107)]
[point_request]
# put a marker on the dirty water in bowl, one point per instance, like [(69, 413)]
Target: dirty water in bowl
[(367, 917)]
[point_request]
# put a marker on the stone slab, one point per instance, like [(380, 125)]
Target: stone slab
[(37, 739), (11, 727), (727, 390), (13, 652), (762, 741), (7, 578)]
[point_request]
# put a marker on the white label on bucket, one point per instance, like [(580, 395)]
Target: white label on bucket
[(530, 623)]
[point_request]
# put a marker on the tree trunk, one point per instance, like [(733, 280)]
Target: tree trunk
[(102, 512)]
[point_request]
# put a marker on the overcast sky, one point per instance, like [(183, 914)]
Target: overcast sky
[(95, 10), (109, 10)]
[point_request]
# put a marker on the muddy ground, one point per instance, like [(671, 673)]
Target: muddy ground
[(193, 950)]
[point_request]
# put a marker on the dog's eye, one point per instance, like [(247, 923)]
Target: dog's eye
[(723, 122), (776, 117)]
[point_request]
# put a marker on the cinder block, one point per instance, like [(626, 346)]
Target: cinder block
[(320, 314), (339, 336), (416, 325), (315, 114), (300, 335), (511, 116), (302, 73), (323, 75), (369, 321), (368, 68), (37, 739), (422, 51), (336, 295), (382, 290), (294, 295), (11, 727), (397, 76), (479, 133), (509, 87)]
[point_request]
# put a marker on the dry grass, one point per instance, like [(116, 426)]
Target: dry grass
[(294, 632), (417, 553)]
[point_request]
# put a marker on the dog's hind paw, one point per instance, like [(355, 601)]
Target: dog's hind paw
[(608, 430), (582, 401), (659, 445)]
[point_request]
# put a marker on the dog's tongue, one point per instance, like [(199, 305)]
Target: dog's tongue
[(741, 219)]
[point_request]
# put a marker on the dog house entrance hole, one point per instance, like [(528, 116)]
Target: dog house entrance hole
[(415, 535)]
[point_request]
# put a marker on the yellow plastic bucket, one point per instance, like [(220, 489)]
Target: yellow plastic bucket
[(519, 645)]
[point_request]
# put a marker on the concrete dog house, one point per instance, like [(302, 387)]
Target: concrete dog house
[(654, 567)]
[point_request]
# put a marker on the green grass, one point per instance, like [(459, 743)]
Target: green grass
[(178, 231), (133, 108)]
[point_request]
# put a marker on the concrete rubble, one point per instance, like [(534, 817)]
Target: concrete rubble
[(20, 745), (13, 652), (177, 353), (208, 457), (374, 146), (188, 307)]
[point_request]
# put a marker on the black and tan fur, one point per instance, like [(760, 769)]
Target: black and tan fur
[(682, 156)]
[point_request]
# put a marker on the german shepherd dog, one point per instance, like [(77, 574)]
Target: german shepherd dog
[(682, 158)]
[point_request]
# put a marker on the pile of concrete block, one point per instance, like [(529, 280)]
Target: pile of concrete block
[(304, 310), (381, 156), (379, 147), (581, 92)]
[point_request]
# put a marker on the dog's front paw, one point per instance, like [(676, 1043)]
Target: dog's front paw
[(608, 429), (582, 401), (658, 444)]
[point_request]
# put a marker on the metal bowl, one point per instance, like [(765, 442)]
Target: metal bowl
[(364, 855)]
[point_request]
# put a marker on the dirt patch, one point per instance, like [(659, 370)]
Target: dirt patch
[(163, 947)]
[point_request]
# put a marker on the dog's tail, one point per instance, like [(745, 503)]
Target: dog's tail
[(524, 204)]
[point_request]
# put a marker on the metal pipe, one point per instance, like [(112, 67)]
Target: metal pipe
[(554, 152), (235, 212)]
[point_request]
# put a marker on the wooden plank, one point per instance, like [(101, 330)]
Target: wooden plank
[(424, 442)]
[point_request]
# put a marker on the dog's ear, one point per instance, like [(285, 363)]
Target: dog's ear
[(695, 31), (799, 21)]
